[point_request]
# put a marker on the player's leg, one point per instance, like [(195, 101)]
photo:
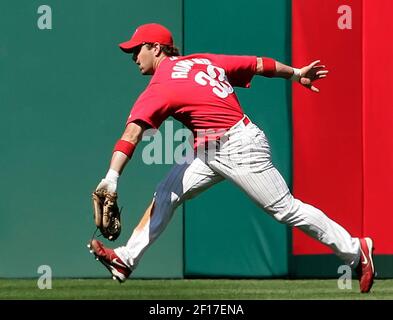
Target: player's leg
[(183, 182), (245, 160), (265, 185)]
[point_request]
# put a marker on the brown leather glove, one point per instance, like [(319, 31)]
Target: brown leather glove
[(107, 214)]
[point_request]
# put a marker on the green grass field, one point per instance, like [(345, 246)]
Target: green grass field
[(220, 289)]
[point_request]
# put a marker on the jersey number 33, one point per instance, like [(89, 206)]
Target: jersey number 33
[(216, 78)]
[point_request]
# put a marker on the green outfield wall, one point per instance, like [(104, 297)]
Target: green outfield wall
[(226, 234), (65, 94)]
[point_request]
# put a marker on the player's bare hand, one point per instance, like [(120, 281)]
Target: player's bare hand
[(314, 71)]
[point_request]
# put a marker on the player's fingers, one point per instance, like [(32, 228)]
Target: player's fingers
[(322, 76), (320, 67), (312, 64), (319, 78), (314, 89), (322, 72)]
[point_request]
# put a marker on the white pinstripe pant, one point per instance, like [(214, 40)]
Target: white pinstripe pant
[(243, 158)]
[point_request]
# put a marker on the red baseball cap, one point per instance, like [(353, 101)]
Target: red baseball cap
[(151, 32)]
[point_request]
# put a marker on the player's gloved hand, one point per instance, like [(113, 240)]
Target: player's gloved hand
[(105, 209)]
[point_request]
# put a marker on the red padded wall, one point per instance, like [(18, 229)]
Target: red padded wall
[(343, 136), (378, 122), (327, 126)]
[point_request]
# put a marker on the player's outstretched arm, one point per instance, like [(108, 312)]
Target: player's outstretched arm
[(305, 75)]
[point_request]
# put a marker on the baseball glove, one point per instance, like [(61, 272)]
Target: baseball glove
[(107, 214)]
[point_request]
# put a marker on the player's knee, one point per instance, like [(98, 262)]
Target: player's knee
[(283, 210), (165, 197)]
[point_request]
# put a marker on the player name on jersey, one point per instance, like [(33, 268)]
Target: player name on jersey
[(183, 67)]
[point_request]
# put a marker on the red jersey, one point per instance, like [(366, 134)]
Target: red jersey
[(197, 90)]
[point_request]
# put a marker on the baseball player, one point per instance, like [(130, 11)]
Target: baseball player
[(197, 90)]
